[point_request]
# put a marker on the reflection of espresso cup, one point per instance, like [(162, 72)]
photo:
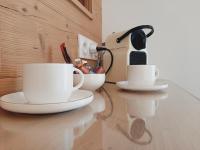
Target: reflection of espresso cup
[(142, 108), (142, 104), (142, 75)]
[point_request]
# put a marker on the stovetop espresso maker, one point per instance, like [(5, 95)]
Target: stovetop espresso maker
[(128, 48)]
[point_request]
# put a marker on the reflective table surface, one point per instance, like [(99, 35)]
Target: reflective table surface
[(115, 120)]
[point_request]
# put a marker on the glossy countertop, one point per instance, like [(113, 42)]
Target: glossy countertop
[(115, 120)]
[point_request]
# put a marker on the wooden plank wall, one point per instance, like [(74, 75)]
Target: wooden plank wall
[(31, 31)]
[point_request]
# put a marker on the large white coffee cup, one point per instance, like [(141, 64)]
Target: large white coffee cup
[(142, 75), (49, 83)]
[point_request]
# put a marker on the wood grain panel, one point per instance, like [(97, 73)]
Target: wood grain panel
[(55, 12), (31, 32), (8, 85), (0, 57)]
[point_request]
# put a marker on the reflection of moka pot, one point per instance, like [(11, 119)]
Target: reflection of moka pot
[(128, 48)]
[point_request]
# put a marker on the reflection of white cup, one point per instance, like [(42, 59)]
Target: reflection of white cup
[(142, 104), (49, 83), (142, 108), (142, 75), (60, 130)]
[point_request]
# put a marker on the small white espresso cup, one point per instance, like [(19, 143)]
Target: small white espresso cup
[(142, 75), (49, 82)]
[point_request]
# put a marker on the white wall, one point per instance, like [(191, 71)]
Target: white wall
[(175, 45)]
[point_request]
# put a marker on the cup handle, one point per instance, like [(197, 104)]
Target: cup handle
[(157, 73), (82, 79)]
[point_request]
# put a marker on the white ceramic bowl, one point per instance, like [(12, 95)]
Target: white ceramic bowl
[(91, 81)]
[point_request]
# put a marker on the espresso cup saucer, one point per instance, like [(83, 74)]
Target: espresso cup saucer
[(159, 85), (16, 102)]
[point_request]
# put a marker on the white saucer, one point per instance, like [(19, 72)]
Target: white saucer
[(159, 85), (16, 102)]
